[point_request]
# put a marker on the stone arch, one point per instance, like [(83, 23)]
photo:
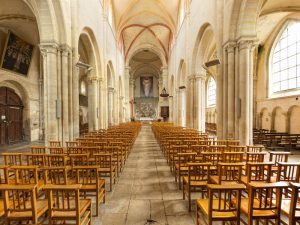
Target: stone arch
[(51, 25), (110, 75), (293, 119), (265, 120), (149, 47), (278, 120), (181, 74), (204, 42), (243, 21)]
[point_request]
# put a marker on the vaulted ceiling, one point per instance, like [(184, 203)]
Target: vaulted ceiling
[(142, 23)]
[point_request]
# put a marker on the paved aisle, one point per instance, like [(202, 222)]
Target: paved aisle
[(145, 189)]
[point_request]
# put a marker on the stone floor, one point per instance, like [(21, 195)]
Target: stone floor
[(145, 190)]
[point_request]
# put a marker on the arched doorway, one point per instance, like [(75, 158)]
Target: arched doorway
[(11, 117)]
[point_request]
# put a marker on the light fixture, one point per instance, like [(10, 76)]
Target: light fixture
[(164, 93)]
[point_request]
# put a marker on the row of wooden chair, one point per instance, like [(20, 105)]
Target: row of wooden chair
[(222, 176), (58, 183)]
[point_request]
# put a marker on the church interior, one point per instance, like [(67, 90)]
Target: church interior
[(139, 112)]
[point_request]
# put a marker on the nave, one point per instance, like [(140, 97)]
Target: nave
[(146, 190)]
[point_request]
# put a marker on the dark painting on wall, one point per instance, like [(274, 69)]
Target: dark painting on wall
[(17, 55)]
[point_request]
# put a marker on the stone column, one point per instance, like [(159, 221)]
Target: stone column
[(65, 94), (219, 106), (49, 64), (110, 106), (131, 96), (93, 106), (75, 96), (182, 107), (126, 93), (101, 107), (200, 101), (246, 90), (171, 109), (121, 112), (115, 108), (191, 114), (230, 49)]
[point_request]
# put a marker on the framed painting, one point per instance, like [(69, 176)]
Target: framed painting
[(17, 55), (146, 87)]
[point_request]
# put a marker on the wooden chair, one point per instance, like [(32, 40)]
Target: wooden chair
[(181, 168), (236, 148), (217, 148), (196, 180), (38, 149), (106, 167), (21, 203), (212, 157), (65, 204), (264, 202), (12, 159), (219, 204), (88, 177), (55, 144)]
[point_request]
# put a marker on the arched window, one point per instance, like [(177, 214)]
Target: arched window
[(211, 92), (83, 88), (285, 61)]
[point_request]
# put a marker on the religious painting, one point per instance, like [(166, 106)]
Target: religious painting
[(146, 86), (17, 55)]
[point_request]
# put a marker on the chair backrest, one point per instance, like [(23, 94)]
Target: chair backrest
[(255, 156), (221, 198), (3, 174), (55, 175), (64, 199), (55, 160), (38, 149), (75, 150), (35, 159), (258, 171), (199, 171), (236, 148), (294, 215), (199, 148), (217, 148), (86, 174), (72, 144), (255, 148), (265, 199), (230, 172), (102, 160), (20, 199), (212, 157), (54, 143), (288, 172), (78, 159), (233, 157), (184, 158), (279, 157), (24, 174), (12, 159), (56, 150)]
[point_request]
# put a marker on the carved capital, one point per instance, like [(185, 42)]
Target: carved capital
[(230, 46), (51, 47)]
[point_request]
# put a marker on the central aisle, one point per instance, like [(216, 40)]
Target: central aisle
[(145, 189)]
